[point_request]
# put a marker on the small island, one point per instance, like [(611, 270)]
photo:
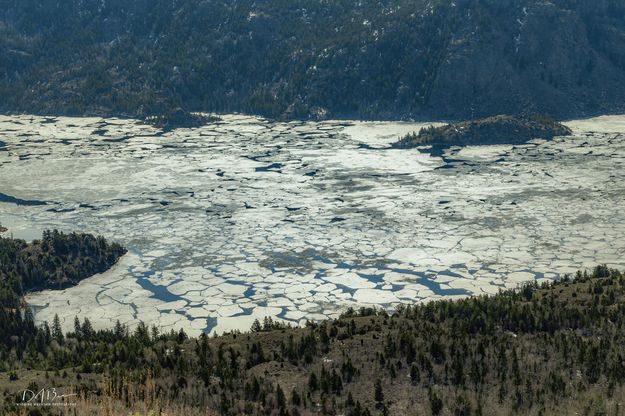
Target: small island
[(179, 118), (501, 129)]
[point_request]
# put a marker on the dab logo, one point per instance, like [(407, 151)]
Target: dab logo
[(45, 397)]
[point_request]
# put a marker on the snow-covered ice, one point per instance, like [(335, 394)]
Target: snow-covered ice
[(248, 218)]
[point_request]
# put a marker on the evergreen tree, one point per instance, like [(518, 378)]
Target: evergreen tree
[(378, 394), (280, 397), (57, 330)]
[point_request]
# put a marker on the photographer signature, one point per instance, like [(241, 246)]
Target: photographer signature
[(43, 397)]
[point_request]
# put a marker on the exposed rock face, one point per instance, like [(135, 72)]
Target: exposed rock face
[(314, 59), (492, 130)]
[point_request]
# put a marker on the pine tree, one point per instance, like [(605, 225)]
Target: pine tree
[(436, 404), (87, 329), (77, 328), (350, 400), (313, 382), (280, 397), (295, 398), (415, 377), (57, 330), (256, 326), (378, 394)]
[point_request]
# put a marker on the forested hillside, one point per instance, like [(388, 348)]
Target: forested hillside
[(56, 261), (554, 349), (313, 58)]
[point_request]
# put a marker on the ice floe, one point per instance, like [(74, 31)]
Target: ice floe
[(248, 218)]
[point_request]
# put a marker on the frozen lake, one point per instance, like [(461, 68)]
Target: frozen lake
[(248, 218)]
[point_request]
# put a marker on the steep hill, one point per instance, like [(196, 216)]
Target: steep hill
[(313, 58)]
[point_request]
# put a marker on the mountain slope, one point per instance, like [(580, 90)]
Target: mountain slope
[(549, 350), (301, 58)]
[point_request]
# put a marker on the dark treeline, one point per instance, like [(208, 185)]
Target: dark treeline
[(313, 58), (56, 261), (499, 129), (549, 349)]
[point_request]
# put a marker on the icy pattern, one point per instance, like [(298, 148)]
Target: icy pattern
[(249, 218)]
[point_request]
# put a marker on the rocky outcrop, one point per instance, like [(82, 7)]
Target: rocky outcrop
[(499, 129)]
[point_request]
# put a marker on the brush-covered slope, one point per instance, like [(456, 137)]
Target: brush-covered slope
[(303, 58), (541, 350)]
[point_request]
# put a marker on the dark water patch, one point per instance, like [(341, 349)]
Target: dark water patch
[(158, 292), (378, 278), (210, 324), (259, 158), (452, 164), (344, 288), (423, 279), (18, 201), (172, 146), (447, 166), (435, 151), (282, 315), (61, 210), (274, 167), (249, 292), (375, 278), (450, 273), (117, 139)]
